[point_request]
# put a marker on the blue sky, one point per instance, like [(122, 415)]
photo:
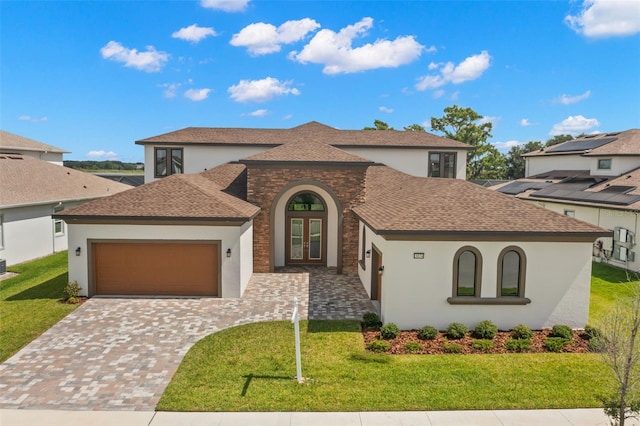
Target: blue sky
[(93, 77)]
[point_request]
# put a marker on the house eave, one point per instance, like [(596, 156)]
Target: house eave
[(137, 220)]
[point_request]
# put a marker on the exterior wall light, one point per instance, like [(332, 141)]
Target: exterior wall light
[(228, 252), (78, 251), (368, 253)]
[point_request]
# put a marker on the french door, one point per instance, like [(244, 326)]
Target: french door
[(306, 240)]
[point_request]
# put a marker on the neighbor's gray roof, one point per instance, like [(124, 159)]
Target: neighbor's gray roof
[(26, 181), (397, 203), (10, 141), (309, 132), (623, 143)]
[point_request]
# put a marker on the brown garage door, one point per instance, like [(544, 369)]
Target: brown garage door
[(156, 269)]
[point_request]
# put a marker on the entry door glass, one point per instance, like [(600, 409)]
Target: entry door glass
[(297, 239), (315, 239)]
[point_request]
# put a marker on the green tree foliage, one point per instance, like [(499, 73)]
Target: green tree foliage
[(414, 128), (514, 160), (99, 165), (462, 124), (558, 139), (379, 125)]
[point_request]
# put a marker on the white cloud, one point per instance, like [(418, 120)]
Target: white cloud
[(336, 53), (525, 122), (489, 119), (438, 94), (506, 146), (259, 113), (170, 89), (101, 154), (469, 69), (33, 119), (194, 33), (150, 61), (261, 38), (455, 95), (261, 90), (385, 109), (225, 5), (288, 117), (197, 94), (574, 125), (606, 18), (567, 100)]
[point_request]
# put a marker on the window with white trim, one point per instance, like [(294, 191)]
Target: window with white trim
[(623, 242), (58, 227)]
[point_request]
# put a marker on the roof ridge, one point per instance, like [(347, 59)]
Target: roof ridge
[(198, 176)]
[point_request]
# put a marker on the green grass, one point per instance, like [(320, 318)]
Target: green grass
[(251, 368), (30, 302), (607, 285)]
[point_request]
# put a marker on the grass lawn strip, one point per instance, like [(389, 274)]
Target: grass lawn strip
[(251, 368), (607, 285), (30, 301)]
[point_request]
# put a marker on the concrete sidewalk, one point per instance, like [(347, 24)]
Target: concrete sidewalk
[(560, 417)]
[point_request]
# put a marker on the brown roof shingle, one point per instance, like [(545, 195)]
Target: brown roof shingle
[(309, 132), (10, 141), (306, 152), (26, 181)]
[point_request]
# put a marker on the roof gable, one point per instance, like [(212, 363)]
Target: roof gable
[(9, 141)]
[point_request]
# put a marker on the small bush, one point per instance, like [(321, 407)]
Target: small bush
[(371, 320), (521, 331), (72, 291), (482, 344), (412, 347), (379, 346), (389, 331), (518, 345), (592, 332), (427, 333), (456, 330), (596, 344), (563, 331), (452, 348), (485, 330), (555, 344)]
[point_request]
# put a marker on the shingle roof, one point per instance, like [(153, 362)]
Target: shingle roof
[(621, 143), (25, 180), (397, 203), (10, 141), (309, 132), (306, 152), (177, 197)]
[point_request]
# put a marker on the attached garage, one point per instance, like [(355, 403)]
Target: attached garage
[(155, 268)]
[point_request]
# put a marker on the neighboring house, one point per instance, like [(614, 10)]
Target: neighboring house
[(427, 250), (593, 178), (31, 190), (11, 144)]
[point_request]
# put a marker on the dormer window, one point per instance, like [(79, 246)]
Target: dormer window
[(442, 164), (168, 161), (604, 164)]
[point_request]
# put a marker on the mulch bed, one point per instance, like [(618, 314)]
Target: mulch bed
[(435, 347)]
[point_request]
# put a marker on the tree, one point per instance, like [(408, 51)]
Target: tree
[(620, 331), (379, 125), (558, 139), (414, 128), (515, 162), (461, 124)]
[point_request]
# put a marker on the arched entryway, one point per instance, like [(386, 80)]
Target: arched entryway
[(306, 229)]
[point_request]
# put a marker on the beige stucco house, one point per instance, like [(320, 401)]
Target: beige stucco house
[(390, 207)]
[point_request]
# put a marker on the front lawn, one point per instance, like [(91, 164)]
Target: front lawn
[(608, 284), (30, 302), (251, 368)]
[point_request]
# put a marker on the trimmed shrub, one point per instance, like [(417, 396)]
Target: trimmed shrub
[(379, 346), (592, 332), (412, 347), (482, 344), (389, 331), (427, 333), (371, 320), (456, 330), (521, 331), (563, 331), (517, 345), (452, 348), (72, 291), (596, 344), (555, 344), (485, 330)]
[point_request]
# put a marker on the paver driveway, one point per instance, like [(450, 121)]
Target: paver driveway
[(120, 354)]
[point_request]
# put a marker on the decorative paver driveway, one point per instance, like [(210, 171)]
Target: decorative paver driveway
[(120, 354)]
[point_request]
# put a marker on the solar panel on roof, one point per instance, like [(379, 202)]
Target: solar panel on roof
[(597, 197), (619, 189), (515, 188), (581, 145)]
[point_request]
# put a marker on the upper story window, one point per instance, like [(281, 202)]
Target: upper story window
[(604, 164), (467, 272), (442, 164), (570, 213), (511, 272), (168, 161)]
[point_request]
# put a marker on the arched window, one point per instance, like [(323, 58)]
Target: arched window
[(467, 272), (306, 201), (511, 272)]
